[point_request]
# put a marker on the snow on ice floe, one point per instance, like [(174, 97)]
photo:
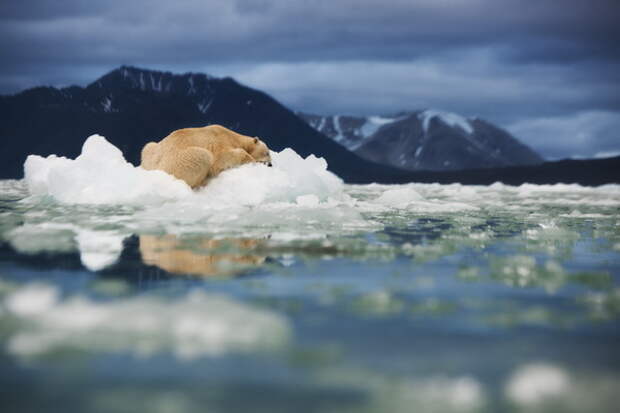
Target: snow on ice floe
[(99, 175), (291, 179), (193, 325)]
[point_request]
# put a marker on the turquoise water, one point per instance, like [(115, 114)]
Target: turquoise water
[(404, 298)]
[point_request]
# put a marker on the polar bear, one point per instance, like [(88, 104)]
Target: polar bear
[(196, 155)]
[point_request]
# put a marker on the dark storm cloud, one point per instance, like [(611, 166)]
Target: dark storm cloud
[(260, 30), (509, 61), (592, 133)]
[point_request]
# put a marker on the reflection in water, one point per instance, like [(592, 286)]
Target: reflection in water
[(202, 257), (433, 298), (99, 250)]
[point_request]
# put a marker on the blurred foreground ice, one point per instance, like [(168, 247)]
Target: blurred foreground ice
[(194, 325)]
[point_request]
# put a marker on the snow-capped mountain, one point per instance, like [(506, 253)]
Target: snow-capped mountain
[(426, 140)]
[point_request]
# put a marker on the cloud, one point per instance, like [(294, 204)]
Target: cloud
[(474, 85), (584, 134), (263, 30), (504, 61), (607, 154), (552, 109)]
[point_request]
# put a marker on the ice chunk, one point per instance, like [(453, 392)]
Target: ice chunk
[(399, 197), (290, 177), (307, 176), (100, 175)]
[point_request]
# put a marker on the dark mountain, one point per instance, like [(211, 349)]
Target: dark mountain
[(131, 106), (426, 140)]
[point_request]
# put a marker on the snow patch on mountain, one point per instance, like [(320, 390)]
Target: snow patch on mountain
[(449, 118), (339, 136), (349, 131), (373, 123), (192, 89), (106, 103), (204, 105)]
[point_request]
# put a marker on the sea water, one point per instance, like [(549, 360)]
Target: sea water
[(283, 289)]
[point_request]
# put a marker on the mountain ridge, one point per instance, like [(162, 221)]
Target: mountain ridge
[(425, 140), (132, 106)]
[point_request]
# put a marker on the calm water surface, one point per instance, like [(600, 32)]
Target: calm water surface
[(407, 298)]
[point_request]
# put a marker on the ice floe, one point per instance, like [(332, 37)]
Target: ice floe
[(101, 175)]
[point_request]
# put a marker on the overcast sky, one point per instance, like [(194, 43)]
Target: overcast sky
[(546, 70)]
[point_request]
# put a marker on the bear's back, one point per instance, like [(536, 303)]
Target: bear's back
[(212, 137)]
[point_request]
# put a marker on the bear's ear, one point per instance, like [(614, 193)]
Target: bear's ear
[(255, 139)]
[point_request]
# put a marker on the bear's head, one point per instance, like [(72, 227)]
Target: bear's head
[(260, 152)]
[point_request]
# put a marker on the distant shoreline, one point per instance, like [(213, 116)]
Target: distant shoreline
[(586, 172)]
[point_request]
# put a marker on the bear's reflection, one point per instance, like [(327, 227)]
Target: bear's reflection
[(200, 256)]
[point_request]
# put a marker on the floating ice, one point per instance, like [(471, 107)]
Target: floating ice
[(410, 197), (100, 175), (296, 193), (194, 325)]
